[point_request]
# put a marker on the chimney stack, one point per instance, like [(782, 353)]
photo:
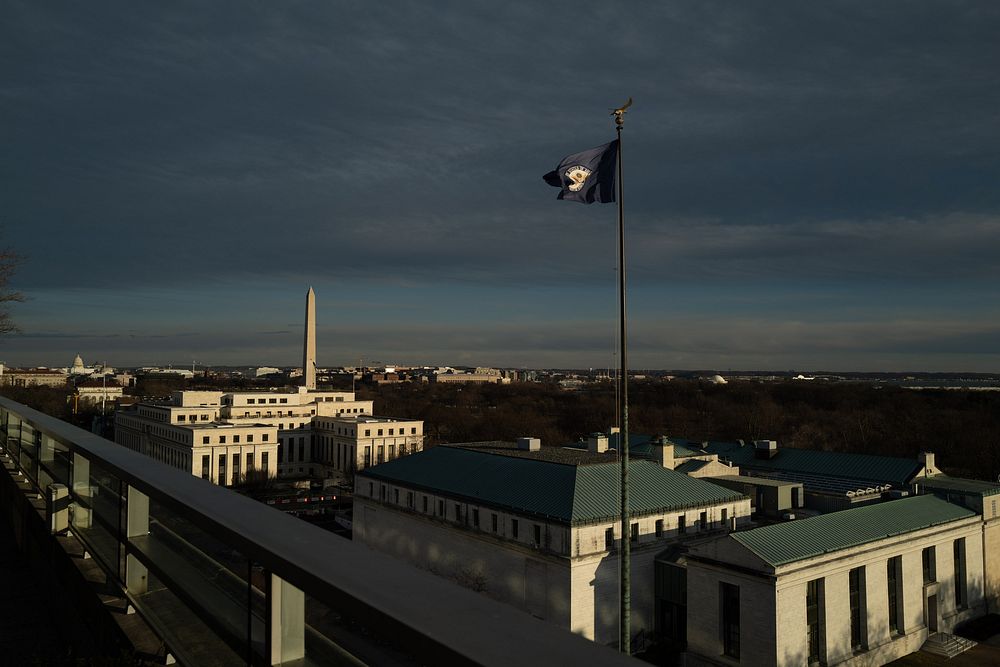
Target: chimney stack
[(663, 451), (529, 444), (597, 443)]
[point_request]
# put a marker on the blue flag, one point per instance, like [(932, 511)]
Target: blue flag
[(587, 177)]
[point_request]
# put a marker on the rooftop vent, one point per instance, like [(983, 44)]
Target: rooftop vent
[(597, 443), (765, 449), (529, 444)]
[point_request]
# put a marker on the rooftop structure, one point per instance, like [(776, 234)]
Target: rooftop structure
[(538, 528)]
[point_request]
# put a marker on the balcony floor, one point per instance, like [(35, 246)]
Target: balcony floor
[(28, 633)]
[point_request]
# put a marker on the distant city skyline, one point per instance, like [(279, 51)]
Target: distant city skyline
[(808, 187)]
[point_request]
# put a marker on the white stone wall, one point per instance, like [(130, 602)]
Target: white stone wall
[(785, 639)]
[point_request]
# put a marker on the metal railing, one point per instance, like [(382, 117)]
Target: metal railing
[(223, 579)]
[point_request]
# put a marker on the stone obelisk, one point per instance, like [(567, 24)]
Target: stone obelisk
[(309, 346)]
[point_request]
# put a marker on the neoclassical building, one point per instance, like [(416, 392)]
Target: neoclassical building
[(538, 528)]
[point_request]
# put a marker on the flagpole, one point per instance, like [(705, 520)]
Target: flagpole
[(625, 622)]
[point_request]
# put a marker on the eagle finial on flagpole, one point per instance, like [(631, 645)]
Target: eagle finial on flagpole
[(619, 113)]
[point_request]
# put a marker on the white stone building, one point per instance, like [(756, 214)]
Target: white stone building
[(304, 432), (538, 529), (345, 443), (863, 586)]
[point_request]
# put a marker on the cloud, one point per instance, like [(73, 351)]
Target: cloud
[(187, 147)]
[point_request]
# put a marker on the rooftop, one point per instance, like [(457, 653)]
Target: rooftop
[(784, 543), (960, 485), (564, 492), (844, 465)]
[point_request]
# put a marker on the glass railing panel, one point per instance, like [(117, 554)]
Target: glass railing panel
[(55, 462), (185, 633), (209, 575), (28, 450), (96, 516), (333, 638)]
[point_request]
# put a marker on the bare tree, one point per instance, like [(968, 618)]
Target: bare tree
[(8, 264)]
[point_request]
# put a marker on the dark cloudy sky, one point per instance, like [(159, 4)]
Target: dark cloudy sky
[(809, 185)]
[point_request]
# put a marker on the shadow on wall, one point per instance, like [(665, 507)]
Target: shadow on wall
[(606, 602)]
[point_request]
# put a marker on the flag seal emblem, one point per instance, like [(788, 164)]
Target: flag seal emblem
[(578, 174)]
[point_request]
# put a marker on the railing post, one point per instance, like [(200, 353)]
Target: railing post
[(286, 621), (136, 525), (81, 491), (57, 508)]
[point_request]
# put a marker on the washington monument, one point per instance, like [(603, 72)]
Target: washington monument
[(309, 344)]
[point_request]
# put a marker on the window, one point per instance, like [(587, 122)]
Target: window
[(368, 432), (250, 437), (284, 400), (681, 524), (302, 449), (222, 468), (390, 431), (425, 504), (272, 400), (380, 432), (513, 528), (206, 464), (609, 539), (381, 453), (725, 517), (280, 447), (658, 529), (856, 588), (181, 418), (494, 523), (635, 532), (730, 597), (458, 512), (814, 613), (441, 508), (703, 521), (371, 489), (381, 492), (395, 496), (392, 451), (264, 437), (927, 558), (263, 463), (249, 461), (368, 456), (894, 580), (236, 468), (205, 440), (250, 401), (413, 431), (475, 518), (236, 439), (222, 439), (537, 536), (960, 592)]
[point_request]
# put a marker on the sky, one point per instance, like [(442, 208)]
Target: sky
[(808, 186)]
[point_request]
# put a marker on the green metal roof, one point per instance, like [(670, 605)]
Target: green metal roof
[(959, 485), (567, 493), (783, 543), (868, 467), (691, 466)]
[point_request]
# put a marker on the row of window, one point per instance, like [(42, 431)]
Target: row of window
[(857, 600), (497, 525), (194, 418), (380, 452), (262, 401), (222, 478), (207, 439)]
